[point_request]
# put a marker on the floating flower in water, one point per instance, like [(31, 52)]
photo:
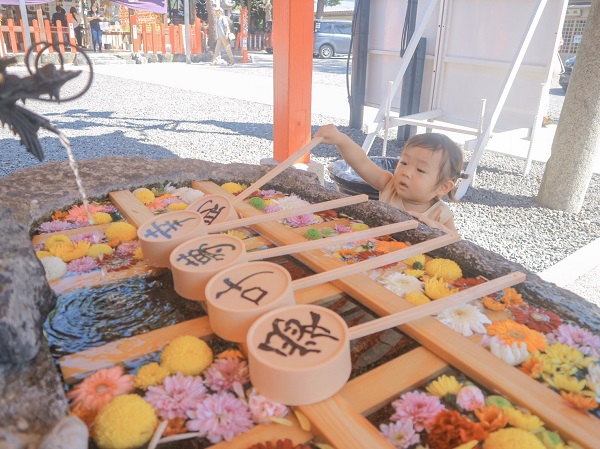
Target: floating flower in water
[(234, 187), (137, 254), (419, 407), (576, 336), (509, 332), (41, 254), (341, 229), (512, 438), (177, 206), (219, 417), (579, 401), (389, 246), (101, 218), (291, 202), (533, 367), (83, 265), (54, 226), (566, 382), (79, 214), (327, 232), (511, 297), (417, 298), (470, 398), (187, 194), (144, 195), (359, 227), (127, 422), (451, 429), (416, 262), (491, 303), (593, 379), (464, 319), (128, 248), (444, 268), (108, 209), (176, 396), (116, 262), (522, 420), (91, 237), (230, 354), (513, 354), (99, 250), (223, 374), (498, 401), (269, 193), (257, 203), (303, 220), (71, 251), (271, 208), (401, 284), (312, 234), (122, 231), (263, 409), (59, 215), (436, 288), (54, 267), (414, 273), (491, 417), (565, 358), (187, 354), (149, 375), (54, 240), (237, 234), (97, 390), (400, 434), (444, 385)]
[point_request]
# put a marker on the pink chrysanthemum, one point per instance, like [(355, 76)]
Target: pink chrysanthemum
[(301, 220), (83, 265), (108, 209), (470, 398), (420, 407), (176, 396), (92, 237), (578, 337), (79, 214), (400, 434), (267, 193), (220, 417), (54, 226), (271, 209), (224, 374), (342, 229), (128, 248), (262, 409), (101, 387)]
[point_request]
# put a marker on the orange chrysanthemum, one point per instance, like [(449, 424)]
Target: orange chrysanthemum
[(512, 298), (491, 418), (175, 427), (387, 247), (79, 214), (346, 253), (491, 304), (533, 367), (101, 387), (579, 401), (113, 243), (231, 354), (511, 332), (59, 215), (451, 429)]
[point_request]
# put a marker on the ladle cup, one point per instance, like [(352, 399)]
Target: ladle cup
[(238, 295), (195, 261), (161, 234), (300, 354)]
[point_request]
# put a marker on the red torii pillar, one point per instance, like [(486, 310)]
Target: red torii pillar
[(293, 23)]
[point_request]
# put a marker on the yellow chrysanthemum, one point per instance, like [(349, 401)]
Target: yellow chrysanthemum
[(233, 187), (270, 202), (414, 273), (137, 254), (122, 231), (359, 227), (54, 240), (444, 268), (416, 298), (177, 206), (468, 445), (149, 375), (144, 195), (127, 422), (417, 262), (567, 357), (567, 383), (512, 438), (511, 332), (42, 254), (101, 218), (525, 421), (99, 248), (231, 354), (187, 354), (444, 385), (71, 251), (436, 288), (240, 235)]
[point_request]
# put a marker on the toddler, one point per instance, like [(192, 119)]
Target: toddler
[(428, 169)]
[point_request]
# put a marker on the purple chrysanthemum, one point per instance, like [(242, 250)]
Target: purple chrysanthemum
[(341, 229), (223, 374), (262, 409), (176, 396), (55, 226), (92, 237), (271, 209), (268, 193), (420, 407), (108, 209), (578, 337), (168, 201), (400, 434), (83, 265), (128, 248), (301, 220), (470, 398), (220, 417)]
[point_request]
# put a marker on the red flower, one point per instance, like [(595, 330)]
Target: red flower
[(451, 429), (536, 318)]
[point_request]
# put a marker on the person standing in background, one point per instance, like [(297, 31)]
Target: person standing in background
[(77, 25), (222, 37), (95, 17)]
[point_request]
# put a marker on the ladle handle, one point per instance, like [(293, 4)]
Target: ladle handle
[(437, 306), (330, 241), (262, 218), (278, 169), (369, 264)]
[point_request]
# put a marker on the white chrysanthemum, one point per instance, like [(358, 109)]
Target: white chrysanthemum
[(55, 268), (187, 194), (465, 319), (291, 202), (401, 284), (593, 379), (514, 354)]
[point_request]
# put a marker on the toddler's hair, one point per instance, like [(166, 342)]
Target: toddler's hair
[(452, 157)]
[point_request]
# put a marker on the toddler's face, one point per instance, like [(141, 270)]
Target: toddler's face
[(416, 176)]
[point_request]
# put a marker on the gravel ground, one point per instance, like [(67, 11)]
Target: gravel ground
[(500, 214)]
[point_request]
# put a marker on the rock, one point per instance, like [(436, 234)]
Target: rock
[(141, 60), (167, 57), (69, 433), (152, 58), (178, 57), (25, 297)]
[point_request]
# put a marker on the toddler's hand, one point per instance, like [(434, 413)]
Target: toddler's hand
[(330, 134)]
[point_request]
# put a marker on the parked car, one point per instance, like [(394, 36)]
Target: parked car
[(565, 76), (332, 37)]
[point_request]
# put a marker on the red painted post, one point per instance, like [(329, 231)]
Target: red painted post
[(36, 31), (180, 39), (244, 30), (23, 34), (292, 83), (60, 36), (144, 29), (198, 36), (163, 38), (72, 39), (155, 47), (12, 36), (172, 38), (48, 35)]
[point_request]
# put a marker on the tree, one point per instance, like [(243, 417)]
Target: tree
[(577, 141), (321, 7)]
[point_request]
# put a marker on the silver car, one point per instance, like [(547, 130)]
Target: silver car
[(332, 37)]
